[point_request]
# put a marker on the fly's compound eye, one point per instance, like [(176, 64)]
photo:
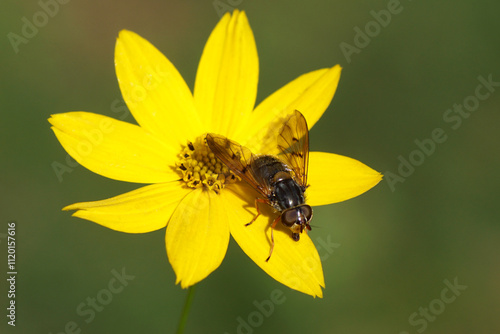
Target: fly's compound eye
[(300, 215), (307, 212), (290, 217)]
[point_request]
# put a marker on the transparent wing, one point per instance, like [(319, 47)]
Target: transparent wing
[(237, 158), (293, 143)]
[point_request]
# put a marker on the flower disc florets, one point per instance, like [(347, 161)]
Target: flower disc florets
[(201, 168)]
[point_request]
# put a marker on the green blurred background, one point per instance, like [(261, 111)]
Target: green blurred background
[(394, 246)]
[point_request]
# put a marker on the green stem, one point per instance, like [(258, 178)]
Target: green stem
[(185, 311)]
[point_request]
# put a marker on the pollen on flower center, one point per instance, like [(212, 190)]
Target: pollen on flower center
[(201, 168)]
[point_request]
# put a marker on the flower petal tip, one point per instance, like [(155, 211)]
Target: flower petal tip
[(124, 32), (68, 208), (185, 282), (54, 118), (377, 177)]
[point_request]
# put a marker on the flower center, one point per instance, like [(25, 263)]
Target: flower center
[(201, 168)]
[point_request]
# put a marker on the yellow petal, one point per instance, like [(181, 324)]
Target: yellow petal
[(310, 94), (226, 81), (197, 236), (154, 91), (295, 264), (334, 178), (142, 210), (113, 148)]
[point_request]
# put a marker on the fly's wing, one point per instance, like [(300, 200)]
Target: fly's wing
[(293, 144), (237, 158)]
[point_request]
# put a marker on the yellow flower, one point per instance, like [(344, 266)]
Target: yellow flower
[(190, 192)]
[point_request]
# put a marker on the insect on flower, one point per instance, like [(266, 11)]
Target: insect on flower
[(280, 179)]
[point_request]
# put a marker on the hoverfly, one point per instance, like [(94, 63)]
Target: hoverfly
[(280, 179)]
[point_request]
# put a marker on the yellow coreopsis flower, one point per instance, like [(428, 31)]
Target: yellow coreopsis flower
[(190, 193)]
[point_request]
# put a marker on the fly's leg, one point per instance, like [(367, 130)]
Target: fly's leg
[(272, 236), (273, 225), (257, 200)]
